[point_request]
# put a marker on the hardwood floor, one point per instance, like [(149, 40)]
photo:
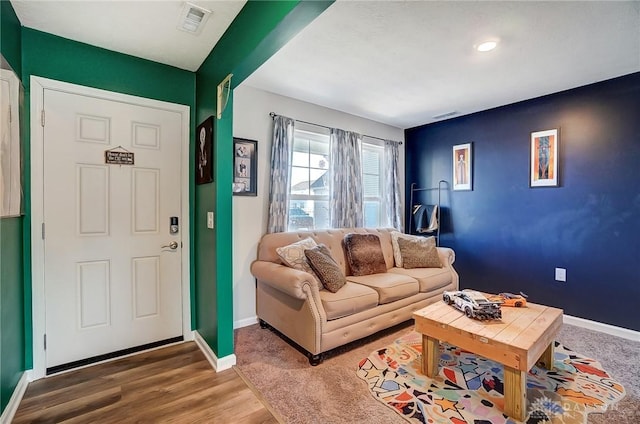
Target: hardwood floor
[(173, 384)]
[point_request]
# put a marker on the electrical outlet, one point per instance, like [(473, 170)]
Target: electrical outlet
[(210, 220), (561, 274)]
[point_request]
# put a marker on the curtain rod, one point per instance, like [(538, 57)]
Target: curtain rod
[(273, 115)]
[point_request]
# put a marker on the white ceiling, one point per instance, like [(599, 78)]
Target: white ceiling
[(146, 29), (402, 63), (399, 63)]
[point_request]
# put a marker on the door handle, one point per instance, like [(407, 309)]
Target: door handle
[(173, 245)]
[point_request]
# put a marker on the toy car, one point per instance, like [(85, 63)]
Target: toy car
[(474, 304), (510, 299)]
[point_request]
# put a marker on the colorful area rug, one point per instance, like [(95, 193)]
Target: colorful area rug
[(469, 388)]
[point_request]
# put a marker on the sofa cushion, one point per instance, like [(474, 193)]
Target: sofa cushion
[(351, 299), (325, 267), (419, 253), (390, 287), (429, 278), (364, 254), (293, 256), (395, 235)]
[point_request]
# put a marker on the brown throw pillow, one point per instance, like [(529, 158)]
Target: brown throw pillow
[(419, 253), (364, 254), (325, 267)]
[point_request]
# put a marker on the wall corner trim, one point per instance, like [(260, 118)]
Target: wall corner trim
[(218, 364), (16, 398), (625, 333)]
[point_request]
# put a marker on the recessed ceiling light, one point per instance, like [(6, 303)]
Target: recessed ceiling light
[(486, 46)]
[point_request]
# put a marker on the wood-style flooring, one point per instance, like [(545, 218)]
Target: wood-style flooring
[(173, 384)]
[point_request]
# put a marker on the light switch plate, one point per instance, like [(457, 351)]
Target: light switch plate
[(561, 274), (210, 220)]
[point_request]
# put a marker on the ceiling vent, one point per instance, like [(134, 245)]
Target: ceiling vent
[(193, 18), (445, 115)]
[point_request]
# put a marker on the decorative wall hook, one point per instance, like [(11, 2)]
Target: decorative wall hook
[(223, 99)]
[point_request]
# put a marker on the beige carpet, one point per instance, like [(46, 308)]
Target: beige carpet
[(332, 393)]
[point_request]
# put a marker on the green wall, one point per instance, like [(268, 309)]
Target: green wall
[(259, 30), (61, 59), (12, 346), (12, 314), (10, 43), (49, 56)]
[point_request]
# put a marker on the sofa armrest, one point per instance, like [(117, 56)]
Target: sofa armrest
[(288, 280), (447, 255)]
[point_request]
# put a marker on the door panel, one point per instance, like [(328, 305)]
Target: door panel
[(109, 283)]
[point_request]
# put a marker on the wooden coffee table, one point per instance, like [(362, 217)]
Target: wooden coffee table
[(522, 338)]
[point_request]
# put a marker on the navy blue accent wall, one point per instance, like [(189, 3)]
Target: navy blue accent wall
[(509, 237)]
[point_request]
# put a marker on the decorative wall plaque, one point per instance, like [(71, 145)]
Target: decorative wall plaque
[(115, 157)]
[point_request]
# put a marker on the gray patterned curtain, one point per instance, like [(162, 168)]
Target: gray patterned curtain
[(392, 200), (281, 148), (346, 208)]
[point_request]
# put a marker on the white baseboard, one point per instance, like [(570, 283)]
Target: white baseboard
[(16, 398), (218, 364), (625, 333), (245, 322)]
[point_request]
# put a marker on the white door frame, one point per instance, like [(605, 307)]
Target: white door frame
[(38, 85)]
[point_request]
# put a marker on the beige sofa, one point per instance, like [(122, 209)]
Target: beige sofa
[(317, 320)]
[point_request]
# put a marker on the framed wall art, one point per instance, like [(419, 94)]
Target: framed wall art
[(462, 167), (11, 155), (543, 168), (245, 177), (204, 152)]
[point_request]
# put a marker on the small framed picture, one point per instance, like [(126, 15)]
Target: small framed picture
[(204, 152), (462, 167), (543, 168), (245, 177)]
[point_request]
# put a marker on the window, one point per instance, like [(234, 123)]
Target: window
[(309, 191), (372, 166), (310, 179)]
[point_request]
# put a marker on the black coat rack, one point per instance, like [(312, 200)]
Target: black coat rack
[(434, 216)]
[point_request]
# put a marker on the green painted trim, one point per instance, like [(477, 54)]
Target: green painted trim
[(260, 29)]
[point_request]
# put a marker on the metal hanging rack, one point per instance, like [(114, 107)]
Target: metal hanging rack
[(439, 188)]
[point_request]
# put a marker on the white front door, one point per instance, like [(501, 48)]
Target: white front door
[(111, 281)]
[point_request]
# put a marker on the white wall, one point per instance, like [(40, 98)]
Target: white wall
[(251, 120)]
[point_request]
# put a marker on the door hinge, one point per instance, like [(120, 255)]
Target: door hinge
[(43, 231), (45, 342), (10, 118), (42, 118)]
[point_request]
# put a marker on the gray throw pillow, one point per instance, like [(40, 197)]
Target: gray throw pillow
[(293, 257), (327, 270), (419, 254)]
